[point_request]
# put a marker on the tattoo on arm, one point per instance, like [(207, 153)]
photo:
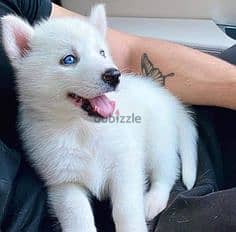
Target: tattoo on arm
[(149, 70)]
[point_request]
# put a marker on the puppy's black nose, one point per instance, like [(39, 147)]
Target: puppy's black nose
[(111, 77)]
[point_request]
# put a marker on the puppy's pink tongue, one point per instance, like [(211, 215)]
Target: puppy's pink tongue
[(103, 105)]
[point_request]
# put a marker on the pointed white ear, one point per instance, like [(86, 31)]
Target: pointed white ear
[(98, 18), (16, 35)]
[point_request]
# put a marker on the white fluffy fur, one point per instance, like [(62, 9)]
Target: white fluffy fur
[(77, 156)]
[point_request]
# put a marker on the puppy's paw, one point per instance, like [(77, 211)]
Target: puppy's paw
[(189, 179), (154, 202), (129, 228)]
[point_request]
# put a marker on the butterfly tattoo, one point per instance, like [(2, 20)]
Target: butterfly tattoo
[(149, 70)]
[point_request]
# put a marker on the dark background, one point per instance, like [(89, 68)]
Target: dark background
[(58, 2)]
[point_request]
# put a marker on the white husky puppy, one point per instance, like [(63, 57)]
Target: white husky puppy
[(66, 80)]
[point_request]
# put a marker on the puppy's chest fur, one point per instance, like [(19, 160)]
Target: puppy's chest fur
[(87, 156)]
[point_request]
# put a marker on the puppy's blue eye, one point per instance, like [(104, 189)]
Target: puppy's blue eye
[(69, 60)]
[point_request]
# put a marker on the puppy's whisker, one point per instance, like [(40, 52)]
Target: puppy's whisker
[(125, 70)]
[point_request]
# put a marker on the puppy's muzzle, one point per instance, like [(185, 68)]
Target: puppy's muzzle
[(111, 77)]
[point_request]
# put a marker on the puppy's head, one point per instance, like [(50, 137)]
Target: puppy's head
[(63, 65)]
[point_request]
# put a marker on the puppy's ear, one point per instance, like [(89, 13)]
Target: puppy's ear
[(16, 35), (98, 18)]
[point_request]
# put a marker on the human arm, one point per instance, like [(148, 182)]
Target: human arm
[(198, 78)]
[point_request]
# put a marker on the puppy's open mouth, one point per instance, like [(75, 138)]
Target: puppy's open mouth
[(100, 106)]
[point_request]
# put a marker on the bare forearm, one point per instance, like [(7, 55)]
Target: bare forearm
[(198, 78)]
